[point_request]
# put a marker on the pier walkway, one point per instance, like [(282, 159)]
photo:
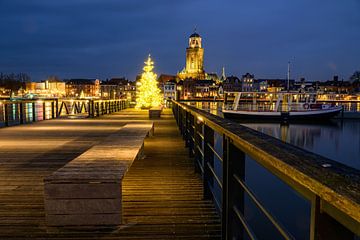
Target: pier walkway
[(162, 196)]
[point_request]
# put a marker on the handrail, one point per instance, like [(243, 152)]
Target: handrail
[(17, 111), (336, 185)]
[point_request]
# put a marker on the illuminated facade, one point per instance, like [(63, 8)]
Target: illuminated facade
[(82, 88), (46, 88), (194, 67)]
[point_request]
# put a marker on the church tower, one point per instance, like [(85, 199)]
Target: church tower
[(194, 67)]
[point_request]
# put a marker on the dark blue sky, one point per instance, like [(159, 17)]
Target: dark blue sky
[(107, 38)]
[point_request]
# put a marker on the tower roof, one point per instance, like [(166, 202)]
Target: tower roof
[(194, 35)]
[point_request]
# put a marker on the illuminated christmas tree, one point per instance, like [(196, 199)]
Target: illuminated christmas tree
[(148, 94)]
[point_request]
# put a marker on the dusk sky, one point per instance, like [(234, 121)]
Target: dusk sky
[(112, 38)]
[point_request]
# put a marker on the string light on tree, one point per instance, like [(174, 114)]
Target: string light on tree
[(148, 94)]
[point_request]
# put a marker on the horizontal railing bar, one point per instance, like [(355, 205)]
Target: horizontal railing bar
[(215, 199), (272, 219), (200, 150), (200, 135), (215, 176), (214, 151), (245, 224), (200, 165)]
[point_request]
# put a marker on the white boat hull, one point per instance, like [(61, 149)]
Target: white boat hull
[(284, 116)]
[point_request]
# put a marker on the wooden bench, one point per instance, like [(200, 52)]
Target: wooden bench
[(87, 190)]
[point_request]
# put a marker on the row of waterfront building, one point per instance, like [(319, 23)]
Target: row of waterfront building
[(175, 88)]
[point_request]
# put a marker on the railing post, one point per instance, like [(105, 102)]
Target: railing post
[(52, 109), (92, 108), (57, 108), (323, 226), (178, 109), (33, 111), (186, 130), (6, 114), (198, 158), (191, 135), (21, 113), (233, 194), (208, 158), (44, 110), (181, 123), (98, 109)]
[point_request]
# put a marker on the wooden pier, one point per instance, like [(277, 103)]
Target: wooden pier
[(162, 195)]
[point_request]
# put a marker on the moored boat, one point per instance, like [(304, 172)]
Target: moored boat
[(282, 106)]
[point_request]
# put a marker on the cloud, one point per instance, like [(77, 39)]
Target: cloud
[(111, 37), (332, 66)]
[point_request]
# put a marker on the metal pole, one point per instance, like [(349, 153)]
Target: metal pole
[(52, 109), (288, 77), (208, 180), (323, 226), (44, 110), (57, 107), (6, 114), (233, 194), (21, 107), (33, 111)]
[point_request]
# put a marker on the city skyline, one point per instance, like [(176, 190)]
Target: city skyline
[(93, 39)]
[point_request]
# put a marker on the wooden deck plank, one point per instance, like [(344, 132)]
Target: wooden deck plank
[(162, 196)]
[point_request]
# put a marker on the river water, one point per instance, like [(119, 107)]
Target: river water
[(338, 140)]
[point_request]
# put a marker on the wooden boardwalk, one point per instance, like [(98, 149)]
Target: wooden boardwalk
[(162, 194)]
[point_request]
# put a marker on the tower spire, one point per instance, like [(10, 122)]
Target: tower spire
[(288, 77), (223, 76)]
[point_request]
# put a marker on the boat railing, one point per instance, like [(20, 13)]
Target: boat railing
[(226, 154), (266, 107)]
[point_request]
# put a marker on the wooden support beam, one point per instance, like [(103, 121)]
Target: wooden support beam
[(233, 194), (323, 226)]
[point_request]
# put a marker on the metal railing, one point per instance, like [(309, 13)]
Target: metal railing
[(332, 188), (14, 112), (92, 108)]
